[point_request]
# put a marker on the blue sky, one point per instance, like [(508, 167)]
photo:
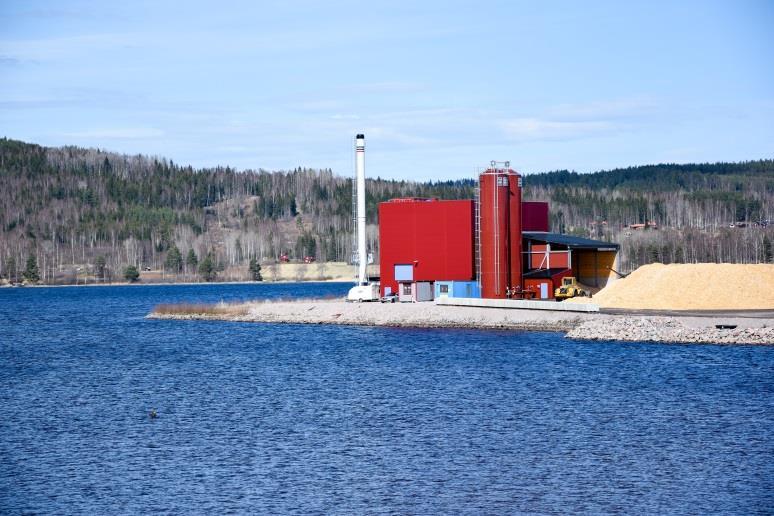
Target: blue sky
[(439, 88)]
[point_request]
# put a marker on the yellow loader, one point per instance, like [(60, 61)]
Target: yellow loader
[(570, 288)]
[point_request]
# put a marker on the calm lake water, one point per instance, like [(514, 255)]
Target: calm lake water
[(263, 418)]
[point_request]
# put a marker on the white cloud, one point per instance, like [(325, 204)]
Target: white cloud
[(604, 109), (46, 49), (122, 133), (234, 148), (386, 87), (9, 61), (533, 129)]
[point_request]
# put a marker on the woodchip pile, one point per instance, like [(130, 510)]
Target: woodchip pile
[(701, 286)]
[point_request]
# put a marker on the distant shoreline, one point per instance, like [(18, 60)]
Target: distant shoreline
[(180, 283), (317, 272)]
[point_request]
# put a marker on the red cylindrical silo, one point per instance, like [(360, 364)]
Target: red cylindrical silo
[(514, 187), (494, 233)]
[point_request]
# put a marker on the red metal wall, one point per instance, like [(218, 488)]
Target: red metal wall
[(533, 284), (556, 260), (515, 214), (500, 212), (435, 236), (534, 216)]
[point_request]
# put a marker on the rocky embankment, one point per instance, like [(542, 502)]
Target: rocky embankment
[(690, 330), (588, 326)]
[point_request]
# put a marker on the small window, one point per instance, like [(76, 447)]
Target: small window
[(444, 289), (407, 289)]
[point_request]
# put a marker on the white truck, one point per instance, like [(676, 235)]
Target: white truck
[(364, 292)]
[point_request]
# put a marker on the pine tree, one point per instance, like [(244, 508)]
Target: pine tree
[(255, 269), (191, 260), (31, 273), (131, 274), (174, 260), (207, 268)]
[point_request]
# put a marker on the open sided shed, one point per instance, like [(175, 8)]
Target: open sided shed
[(591, 261)]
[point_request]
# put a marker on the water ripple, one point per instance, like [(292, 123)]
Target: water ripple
[(308, 419)]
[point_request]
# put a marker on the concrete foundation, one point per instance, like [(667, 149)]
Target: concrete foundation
[(517, 303)]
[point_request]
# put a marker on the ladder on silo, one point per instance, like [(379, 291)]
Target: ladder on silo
[(496, 222), (477, 235)]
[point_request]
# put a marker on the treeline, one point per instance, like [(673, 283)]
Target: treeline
[(83, 211), (721, 212), (706, 196), (68, 206)]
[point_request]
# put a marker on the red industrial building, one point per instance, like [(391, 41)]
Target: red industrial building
[(425, 240), (499, 242)]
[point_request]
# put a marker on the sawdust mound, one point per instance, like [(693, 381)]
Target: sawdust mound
[(701, 286)]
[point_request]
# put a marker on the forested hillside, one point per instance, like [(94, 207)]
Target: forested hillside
[(84, 211), (70, 206), (719, 212)]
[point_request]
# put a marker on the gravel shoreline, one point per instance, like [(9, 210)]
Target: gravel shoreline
[(409, 315), (585, 326), (675, 329)]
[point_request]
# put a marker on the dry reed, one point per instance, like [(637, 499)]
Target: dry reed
[(218, 309)]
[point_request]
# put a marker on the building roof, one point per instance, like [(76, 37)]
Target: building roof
[(572, 242)]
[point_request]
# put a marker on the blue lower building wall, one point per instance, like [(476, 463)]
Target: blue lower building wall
[(457, 289)]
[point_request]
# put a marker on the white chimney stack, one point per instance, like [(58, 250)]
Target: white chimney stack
[(362, 277), (363, 291)]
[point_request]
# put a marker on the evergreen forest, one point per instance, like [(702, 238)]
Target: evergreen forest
[(71, 212)]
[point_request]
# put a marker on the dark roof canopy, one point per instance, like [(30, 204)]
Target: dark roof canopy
[(572, 242)]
